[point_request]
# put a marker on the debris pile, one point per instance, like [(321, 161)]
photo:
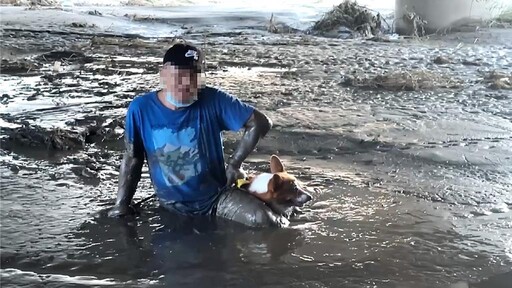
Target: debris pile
[(18, 66), (415, 23), (402, 81), (65, 56), (499, 80), (349, 15), (35, 136), (94, 129)]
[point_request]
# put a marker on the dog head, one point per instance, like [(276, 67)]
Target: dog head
[(284, 188), (278, 186)]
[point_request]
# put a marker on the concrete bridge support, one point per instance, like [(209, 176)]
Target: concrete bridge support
[(442, 14)]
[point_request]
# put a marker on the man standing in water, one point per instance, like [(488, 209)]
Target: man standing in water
[(178, 130)]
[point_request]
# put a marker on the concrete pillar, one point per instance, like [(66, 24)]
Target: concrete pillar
[(442, 14)]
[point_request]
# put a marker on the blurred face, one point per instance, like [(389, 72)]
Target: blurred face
[(180, 84)]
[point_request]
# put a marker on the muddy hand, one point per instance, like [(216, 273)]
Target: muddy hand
[(121, 210), (233, 173)]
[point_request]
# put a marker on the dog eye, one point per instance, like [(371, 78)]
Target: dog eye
[(295, 187)]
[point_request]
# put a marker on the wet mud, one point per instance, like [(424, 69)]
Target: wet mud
[(407, 143)]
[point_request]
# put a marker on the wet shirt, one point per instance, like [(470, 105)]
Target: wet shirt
[(184, 147)]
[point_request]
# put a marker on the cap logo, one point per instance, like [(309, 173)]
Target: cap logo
[(192, 53)]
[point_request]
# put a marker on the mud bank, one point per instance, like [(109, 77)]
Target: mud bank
[(409, 143)]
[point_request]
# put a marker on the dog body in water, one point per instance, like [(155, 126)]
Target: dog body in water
[(278, 189)]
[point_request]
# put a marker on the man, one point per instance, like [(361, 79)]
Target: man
[(178, 130)]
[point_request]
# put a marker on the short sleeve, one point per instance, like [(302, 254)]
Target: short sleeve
[(133, 138), (232, 112)]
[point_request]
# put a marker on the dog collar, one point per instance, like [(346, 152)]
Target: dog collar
[(241, 182)]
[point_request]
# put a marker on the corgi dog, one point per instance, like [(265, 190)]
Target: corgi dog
[(278, 189)]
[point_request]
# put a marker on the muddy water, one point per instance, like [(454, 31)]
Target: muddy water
[(414, 187)]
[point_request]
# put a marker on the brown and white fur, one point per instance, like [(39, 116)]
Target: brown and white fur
[(278, 189)]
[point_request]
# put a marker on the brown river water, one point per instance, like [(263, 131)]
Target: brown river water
[(413, 186)]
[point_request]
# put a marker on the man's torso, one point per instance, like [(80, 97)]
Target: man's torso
[(184, 149)]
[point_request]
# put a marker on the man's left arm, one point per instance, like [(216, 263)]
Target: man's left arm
[(256, 128), (234, 115)]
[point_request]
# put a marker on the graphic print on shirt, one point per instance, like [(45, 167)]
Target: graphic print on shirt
[(177, 155)]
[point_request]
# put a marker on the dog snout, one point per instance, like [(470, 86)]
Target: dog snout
[(304, 197)]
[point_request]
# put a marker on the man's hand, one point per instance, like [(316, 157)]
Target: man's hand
[(234, 173), (120, 210)]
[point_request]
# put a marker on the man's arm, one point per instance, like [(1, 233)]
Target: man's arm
[(130, 174), (131, 165), (129, 177), (256, 128)]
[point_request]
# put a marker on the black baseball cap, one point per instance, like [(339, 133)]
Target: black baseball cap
[(184, 55)]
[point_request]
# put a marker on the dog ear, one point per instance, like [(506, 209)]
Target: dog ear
[(274, 183), (276, 165)]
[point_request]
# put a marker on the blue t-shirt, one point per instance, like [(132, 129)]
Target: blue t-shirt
[(184, 147)]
